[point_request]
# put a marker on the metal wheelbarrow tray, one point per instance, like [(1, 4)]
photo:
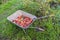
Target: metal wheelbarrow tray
[(19, 13)]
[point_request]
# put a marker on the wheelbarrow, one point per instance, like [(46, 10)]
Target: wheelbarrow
[(19, 16)]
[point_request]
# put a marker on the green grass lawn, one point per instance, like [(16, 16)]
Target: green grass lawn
[(9, 31)]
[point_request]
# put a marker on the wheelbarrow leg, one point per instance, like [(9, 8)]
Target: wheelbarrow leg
[(26, 34), (24, 31)]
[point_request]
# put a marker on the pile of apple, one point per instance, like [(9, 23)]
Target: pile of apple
[(23, 21)]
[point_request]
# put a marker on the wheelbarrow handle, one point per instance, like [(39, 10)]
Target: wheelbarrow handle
[(38, 28), (45, 16)]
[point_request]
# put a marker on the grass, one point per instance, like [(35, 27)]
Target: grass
[(12, 32)]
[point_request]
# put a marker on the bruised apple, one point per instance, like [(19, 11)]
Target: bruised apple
[(23, 21)]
